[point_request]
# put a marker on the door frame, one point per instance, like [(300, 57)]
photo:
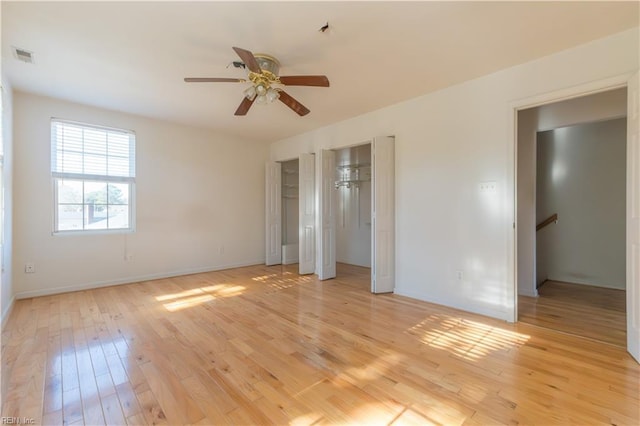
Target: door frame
[(373, 227), (303, 268), (590, 88)]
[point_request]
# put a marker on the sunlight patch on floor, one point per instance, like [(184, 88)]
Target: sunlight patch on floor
[(282, 280), (198, 296), (187, 302), (470, 340), (180, 295), (270, 276)]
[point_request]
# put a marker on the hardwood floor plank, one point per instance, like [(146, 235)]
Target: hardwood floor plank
[(151, 410), (263, 345), (53, 418), (206, 400), (92, 411), (71, 405), (112, 411), (175, 402), (128, 400)]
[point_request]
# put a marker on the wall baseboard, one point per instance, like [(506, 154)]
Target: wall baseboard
[(7, 312), (526, 292), (466, 307), (131, 280), (573, 280)]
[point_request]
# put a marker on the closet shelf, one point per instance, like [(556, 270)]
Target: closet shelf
[(290, 197), (290, 185), (350, 182), (353, 166)]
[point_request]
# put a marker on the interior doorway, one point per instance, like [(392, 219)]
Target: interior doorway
[(290, 210), (571, 215)]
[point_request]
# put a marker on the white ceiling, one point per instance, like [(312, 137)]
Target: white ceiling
[(133, 57)]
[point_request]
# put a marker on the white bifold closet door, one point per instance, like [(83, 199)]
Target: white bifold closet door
[(633, 216), (273, 213), (307, 219), (327, 211), (383, 215)]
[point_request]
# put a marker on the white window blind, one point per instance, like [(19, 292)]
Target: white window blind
[(83, 151), (93, 171)]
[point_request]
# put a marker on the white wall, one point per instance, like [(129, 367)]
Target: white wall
[(6, 282), (449, 141), (596, 107), (581, 175), (199, 203)]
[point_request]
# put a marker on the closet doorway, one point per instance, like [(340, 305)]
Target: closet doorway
[(290, 213), (353, 205), (349, 178)]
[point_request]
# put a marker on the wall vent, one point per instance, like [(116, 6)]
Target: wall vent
[(22, 55)]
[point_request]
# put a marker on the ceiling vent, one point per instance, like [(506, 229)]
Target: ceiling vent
[(23, 55)]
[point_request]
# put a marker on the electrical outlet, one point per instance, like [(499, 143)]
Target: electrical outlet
[(29, 268), (460, 275), (488, 187), (128, 257), (221, 249)]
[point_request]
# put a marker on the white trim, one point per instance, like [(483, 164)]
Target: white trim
[(131, 280), (7, 313), (94, 126), (97, 178), (110, 231), (469, 306), (578, 91), (590, 88)]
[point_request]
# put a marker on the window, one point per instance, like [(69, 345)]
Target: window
[(93, 170)]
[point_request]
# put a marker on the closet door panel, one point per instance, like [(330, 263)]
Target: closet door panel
[(273, 213), (327, 211), (307, 209), (383, 215)]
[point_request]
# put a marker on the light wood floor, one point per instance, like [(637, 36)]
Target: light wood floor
[(593, 312), (262, 345)]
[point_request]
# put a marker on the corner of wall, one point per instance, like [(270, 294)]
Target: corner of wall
[(6, 313), (7, 291)]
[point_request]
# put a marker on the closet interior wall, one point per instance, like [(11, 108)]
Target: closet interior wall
[(353, 220), (290, 218)]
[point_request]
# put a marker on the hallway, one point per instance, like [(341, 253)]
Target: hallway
[(594, 312)]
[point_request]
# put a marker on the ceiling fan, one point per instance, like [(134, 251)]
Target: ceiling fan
[(264, 78)]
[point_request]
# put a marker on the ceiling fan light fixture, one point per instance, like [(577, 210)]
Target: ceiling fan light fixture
[(261, 99), (250, 93), (261, 90), (272, 95)]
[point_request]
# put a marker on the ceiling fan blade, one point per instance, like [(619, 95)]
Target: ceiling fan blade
[(244, 106), (248, 59), (286, 99), (213, 80), (305, 80)]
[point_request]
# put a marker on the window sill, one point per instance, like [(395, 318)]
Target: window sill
[(93, 232)]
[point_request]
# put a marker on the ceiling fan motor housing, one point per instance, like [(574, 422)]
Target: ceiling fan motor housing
[(268, 64)]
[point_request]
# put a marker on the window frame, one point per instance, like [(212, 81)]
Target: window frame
[(57, 177)]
